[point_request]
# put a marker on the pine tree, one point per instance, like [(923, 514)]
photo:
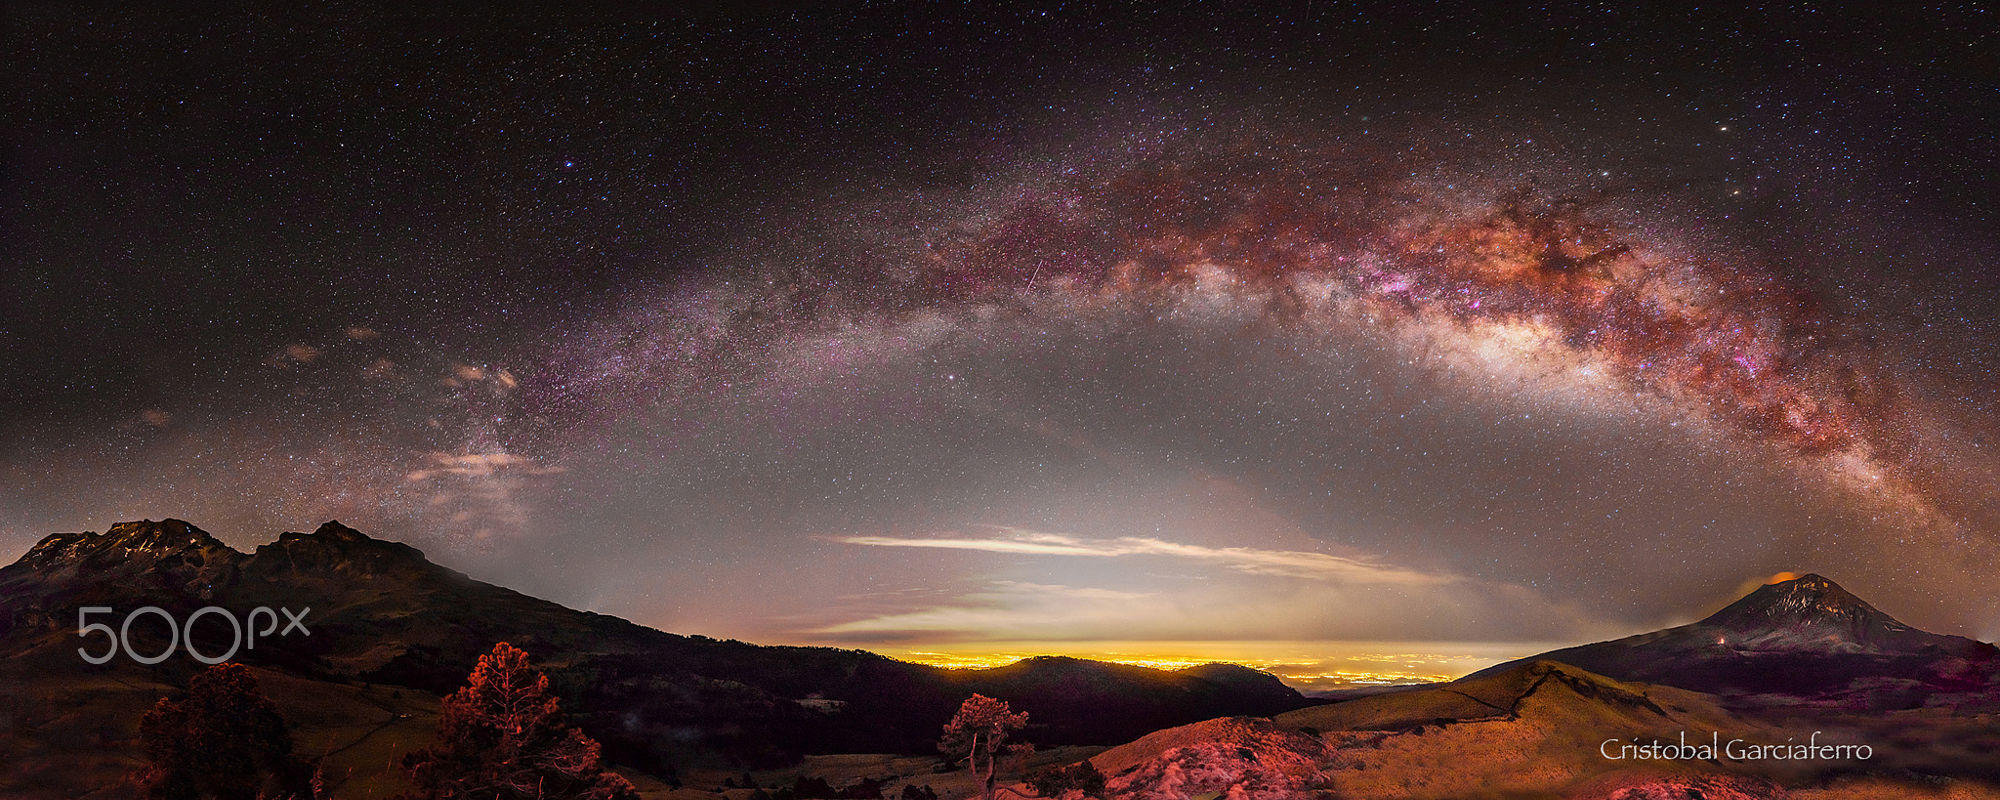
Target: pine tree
[(980, 730), (502, 737), (224, 741)]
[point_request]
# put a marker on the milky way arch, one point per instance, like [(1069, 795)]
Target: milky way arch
[(1604, 276)]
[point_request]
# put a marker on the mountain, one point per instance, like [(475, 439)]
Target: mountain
[(169, 559), (1533, 687), (384, 615), (1533, 730), (1811, 613), (1802, 637), (1066, 693)]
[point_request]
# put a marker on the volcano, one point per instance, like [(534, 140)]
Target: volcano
[(1802, 637), (1811, 613)]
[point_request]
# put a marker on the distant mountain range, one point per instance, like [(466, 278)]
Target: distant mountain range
[(382, 614)]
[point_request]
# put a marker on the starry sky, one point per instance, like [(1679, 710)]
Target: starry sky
[(1355, 340)]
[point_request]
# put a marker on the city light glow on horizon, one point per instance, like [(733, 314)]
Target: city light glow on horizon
[(1306, 666)]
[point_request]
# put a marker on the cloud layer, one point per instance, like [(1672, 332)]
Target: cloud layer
[(1251, 560)]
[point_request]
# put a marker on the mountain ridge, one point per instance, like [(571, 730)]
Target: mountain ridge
[(383, 614)]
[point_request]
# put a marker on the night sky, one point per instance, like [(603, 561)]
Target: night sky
[(1282, 333)]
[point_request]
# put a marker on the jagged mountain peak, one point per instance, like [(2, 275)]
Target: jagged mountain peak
[(171, 560), (333, 534), (336, 547), (130, 564), (167, 531), (142, 542), (332, 529)]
